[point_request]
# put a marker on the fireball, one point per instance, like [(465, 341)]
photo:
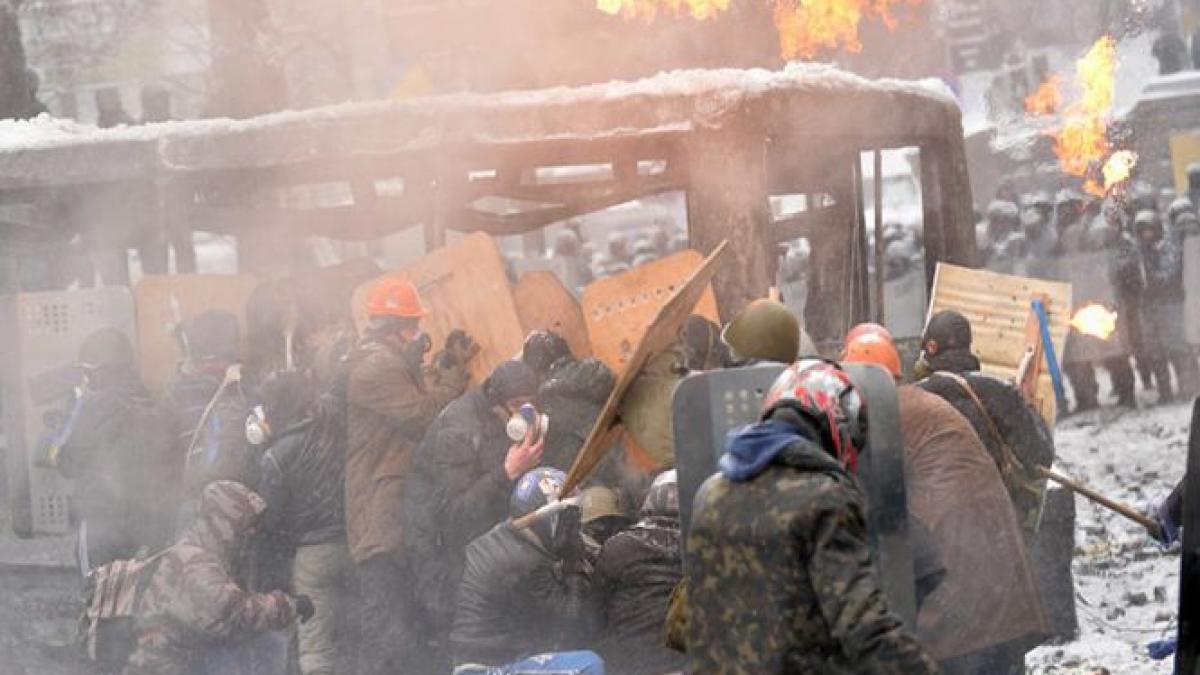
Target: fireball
[(1095, 320), (809, 27)]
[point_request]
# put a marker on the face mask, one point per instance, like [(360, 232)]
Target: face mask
[(922, 369), (257, 429), (525, 419)]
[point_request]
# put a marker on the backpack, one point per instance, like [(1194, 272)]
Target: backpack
[(112, 595)]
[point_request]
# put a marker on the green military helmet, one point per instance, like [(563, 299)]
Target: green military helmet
[(106, 348), (765, 330)]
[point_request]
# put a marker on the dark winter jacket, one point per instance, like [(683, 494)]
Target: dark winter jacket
[(1162, 269), (390, 404), (514, 600), (218, 448), (636, 573), (1020, 427), (780, 576), (456, 491), (572, 398), (192, 601), (304, 478), (118, 446)]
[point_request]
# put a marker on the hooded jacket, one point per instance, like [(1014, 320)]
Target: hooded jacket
[(191, 601), (457, 490), (636, 573), (572, 397), (390, 404), (780, 576), (955, 491)]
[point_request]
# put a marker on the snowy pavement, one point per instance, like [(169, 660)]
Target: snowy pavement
[(1126, 586)]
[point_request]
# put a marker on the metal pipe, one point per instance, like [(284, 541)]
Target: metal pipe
[(879, 252)]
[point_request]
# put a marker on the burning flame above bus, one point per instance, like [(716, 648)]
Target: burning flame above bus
[(810, 27), (1081, 138), (649, 9), (1095, 320), (806, 28)]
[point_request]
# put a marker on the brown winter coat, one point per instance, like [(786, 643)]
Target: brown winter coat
[(989, 596), (389, 406), (191, 602)]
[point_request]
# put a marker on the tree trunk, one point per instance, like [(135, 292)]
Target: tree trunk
[(247, 79)]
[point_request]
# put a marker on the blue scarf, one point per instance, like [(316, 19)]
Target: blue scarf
[(750, 449)]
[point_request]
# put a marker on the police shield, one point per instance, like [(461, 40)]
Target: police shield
[(709, 405), (1187, 659)]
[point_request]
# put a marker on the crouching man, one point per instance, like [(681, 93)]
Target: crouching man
[(521, 600), (780, 577), (192, 605)]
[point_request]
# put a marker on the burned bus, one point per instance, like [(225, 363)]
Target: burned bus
[(843, 193)]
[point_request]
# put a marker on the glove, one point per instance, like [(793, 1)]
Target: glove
[(460, 348), (1161, 649), (304, 608), (1168, 530), (567, 543), (416, 349)]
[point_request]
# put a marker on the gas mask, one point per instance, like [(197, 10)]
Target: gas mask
[(258, 431), (527, 419)]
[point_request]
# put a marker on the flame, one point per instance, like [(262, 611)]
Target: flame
[(648, 9), (1118, 168), (1081, 141), (1095, 320), (808, 27), (1047, 100)]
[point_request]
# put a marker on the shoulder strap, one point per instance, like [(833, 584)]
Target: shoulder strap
[(1008, 460)]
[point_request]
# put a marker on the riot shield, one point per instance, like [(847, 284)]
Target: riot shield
[(1187, 659), (1191, 282), (42, 333), (708, 405)]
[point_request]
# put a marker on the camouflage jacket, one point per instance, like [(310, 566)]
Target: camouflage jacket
[(191, 602), (781, 578)]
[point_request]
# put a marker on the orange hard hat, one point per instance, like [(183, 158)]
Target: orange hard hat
[(874, 349), (395, 296), (868, 329)]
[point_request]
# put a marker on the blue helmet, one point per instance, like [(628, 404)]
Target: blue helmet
[(534, 490)]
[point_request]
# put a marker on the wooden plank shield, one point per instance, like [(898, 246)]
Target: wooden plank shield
[(163, 302), (463, 285), (544, 303), (661, 331), (998, 307), (618, 310)]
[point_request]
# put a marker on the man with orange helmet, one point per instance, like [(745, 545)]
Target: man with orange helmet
[(780, 575), (391, 398), (955, 492)]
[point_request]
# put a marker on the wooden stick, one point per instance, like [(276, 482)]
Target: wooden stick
[(1144, 521)]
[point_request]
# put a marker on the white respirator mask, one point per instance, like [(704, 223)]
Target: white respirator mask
[(525, 419), (257, 429)]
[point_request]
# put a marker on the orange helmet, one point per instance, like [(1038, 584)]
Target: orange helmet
[(868, 329), (395, 296), (874, 349)]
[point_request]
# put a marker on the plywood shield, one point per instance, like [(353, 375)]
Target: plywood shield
[(998, 307), (659, 333), (544, 303), (464, 287), (163, 302), (618, 310)]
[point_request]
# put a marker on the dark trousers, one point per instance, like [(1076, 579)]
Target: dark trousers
[(390, 643), (1187, 371), (1121, 374), (1083, 383)]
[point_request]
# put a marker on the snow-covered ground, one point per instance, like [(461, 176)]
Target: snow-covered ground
[(1126, 586)]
